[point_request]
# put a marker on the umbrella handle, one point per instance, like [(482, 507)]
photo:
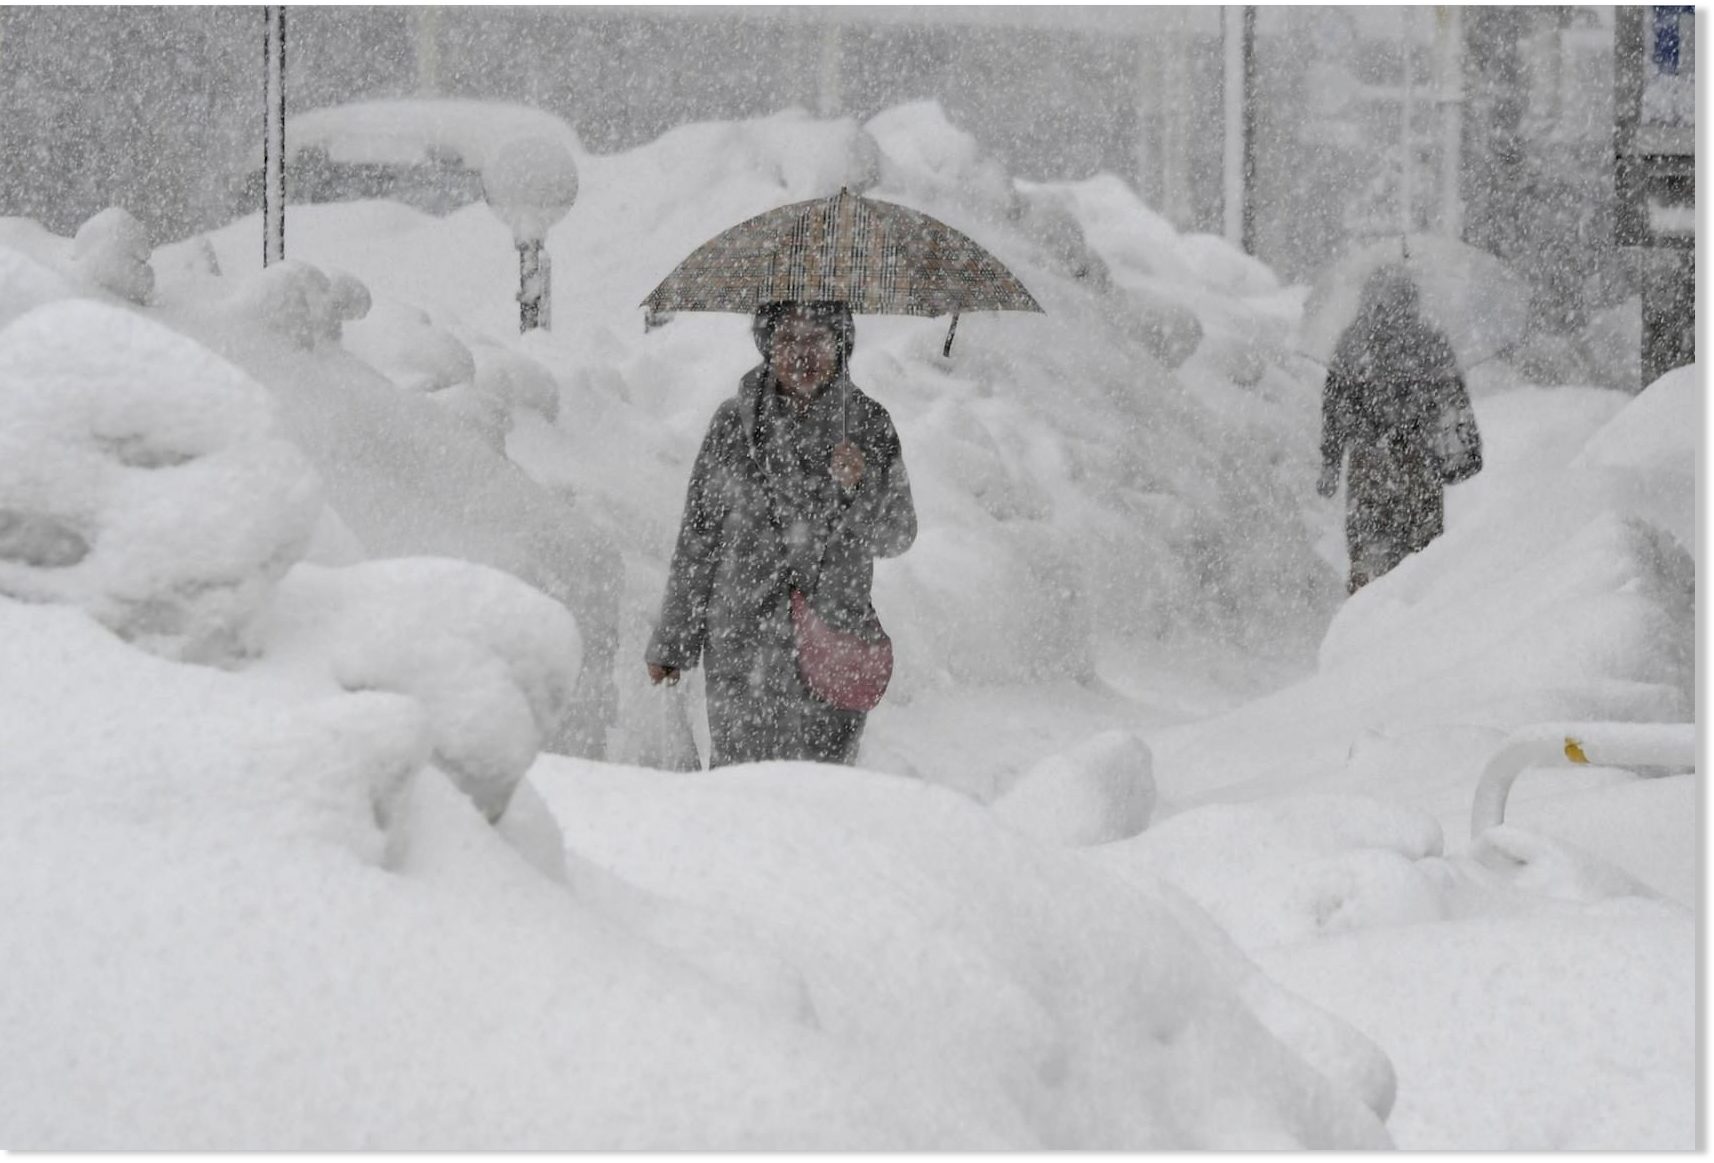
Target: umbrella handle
[(946, 351)]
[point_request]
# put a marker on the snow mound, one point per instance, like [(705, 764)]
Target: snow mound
[(1558, 593), (299, 302), (1014, 975), (323, 945), (923, 154), (142, 479), (407, 478), (1567, 1030), (1099, 791), (1654, 430), (1285, 870), (26, 284), (515, 379), (404, 344), (111, 251), (492, 662)]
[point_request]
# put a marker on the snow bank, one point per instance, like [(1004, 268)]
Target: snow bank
[(406, 476), (1558, 593), (1014, 975), (1550, 1033), (491, 661), (1516, 989), (300, 303), (256, 930), (1294, 868), (26, 284), (142, 480), (111, 251), (109, 259), (1101, 790)]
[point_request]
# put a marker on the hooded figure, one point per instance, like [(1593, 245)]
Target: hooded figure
[(1394, 398), (799, 484)]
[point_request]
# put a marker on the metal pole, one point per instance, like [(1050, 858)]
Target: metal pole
[(533, 275), (274, 134), (1561, 745), (1248, 232)]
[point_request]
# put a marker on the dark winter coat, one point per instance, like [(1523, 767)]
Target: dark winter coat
[(1393, 398), (763, 516)]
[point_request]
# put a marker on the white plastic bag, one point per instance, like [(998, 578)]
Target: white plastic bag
[(664, 736)]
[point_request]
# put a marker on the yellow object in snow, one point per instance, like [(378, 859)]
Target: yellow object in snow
[(1574, 751)]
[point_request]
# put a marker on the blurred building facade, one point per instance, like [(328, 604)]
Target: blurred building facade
[(1496, 124)]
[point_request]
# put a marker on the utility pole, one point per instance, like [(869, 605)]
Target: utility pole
[(273, 134), (1238, 38)]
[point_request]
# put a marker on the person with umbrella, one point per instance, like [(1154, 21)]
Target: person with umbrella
[(800, 483), (1395, 400)]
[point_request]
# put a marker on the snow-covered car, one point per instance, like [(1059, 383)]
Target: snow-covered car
[(424, 152)]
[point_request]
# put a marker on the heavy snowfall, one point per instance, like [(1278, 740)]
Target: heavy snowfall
[(337, 811)]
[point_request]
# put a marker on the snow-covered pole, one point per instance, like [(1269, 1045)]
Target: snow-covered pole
[(535, 282), (273, 134), (1564, 745), (530, 183)]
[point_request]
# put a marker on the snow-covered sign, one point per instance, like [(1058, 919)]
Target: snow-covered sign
[(530, 183)]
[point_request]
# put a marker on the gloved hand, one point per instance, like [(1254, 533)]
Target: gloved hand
[(1328, 482), (666, 674)]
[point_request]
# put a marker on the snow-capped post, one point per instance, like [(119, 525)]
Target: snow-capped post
[(530, 183), (273, 134)]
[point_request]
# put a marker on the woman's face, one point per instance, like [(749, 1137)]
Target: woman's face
[(806, 354)]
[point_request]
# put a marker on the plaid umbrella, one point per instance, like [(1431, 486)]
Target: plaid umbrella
[(879, 257)]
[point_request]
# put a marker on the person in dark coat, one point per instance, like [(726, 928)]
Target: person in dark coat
[(800, 483), (1395, 400)]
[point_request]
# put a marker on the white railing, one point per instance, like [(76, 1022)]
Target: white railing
[(1566, 745)]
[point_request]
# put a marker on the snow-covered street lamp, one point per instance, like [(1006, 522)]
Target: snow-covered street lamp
[(530, 183)]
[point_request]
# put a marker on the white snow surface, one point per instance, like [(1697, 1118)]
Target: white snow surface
[(1157, 843), (412, 131)]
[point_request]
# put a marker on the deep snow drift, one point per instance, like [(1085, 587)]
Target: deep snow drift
[(272, 686), (284, 927)]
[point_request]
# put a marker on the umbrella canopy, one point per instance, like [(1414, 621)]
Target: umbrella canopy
[(878, 257), (1478, 302)]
